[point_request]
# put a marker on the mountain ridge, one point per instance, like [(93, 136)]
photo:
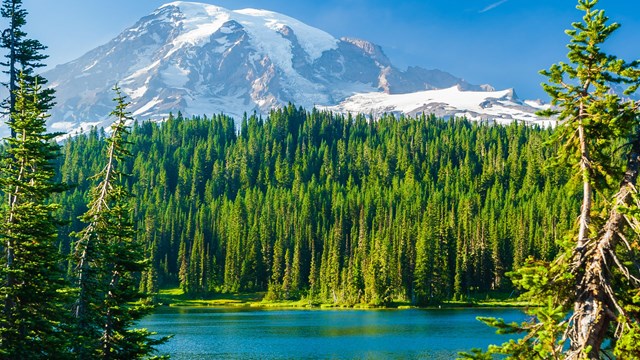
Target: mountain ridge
[(203, 59)]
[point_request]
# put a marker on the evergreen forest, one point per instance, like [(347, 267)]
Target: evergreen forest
[(326, 208), (331, 208)]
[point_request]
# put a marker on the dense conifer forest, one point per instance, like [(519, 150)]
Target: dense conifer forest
[(324, 207), (334, 208)]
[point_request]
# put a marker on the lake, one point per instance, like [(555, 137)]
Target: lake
[(248, 333)]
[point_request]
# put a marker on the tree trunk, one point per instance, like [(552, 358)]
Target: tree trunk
[(13, 78), (585, 210), (10, 301), (591, 313), (596, 305)]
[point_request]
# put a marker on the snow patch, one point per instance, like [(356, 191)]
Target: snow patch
[(199, 29), (314, 41), (175, 76), (136, 93), (498, 106), (90, 66), (146, 107), (62, 126), (141, 72), (202, 20), (538, 104)]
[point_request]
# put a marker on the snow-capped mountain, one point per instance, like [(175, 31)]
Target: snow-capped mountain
[(492, 106), (203, 59)]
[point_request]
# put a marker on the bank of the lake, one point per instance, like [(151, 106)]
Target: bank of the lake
[(175, 297), (262, 333)]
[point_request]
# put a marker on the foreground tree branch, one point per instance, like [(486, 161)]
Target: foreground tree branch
[(597, 305), (593, 283)]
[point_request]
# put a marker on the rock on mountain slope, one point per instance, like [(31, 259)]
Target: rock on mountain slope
[(203, 59)]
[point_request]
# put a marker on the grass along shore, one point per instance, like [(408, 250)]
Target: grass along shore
[(176, 297)]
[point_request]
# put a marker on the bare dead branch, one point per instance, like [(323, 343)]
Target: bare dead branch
[(623, 269)]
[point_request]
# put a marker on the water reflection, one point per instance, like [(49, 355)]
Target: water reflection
[(205, 333)]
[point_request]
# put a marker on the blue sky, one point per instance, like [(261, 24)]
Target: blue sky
[(500, 42)]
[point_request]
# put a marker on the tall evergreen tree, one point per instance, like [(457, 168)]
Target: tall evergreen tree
[(590, 108), (24, 56), (32, 321), (591, 290), (108, 260)]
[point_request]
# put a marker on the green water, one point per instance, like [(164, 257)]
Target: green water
[(324, 334)]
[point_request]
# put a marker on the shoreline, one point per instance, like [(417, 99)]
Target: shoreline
[(175, 298)]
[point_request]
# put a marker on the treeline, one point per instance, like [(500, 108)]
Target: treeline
[(334, 208)]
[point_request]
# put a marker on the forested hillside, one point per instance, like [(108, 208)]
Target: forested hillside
[(335, 208)]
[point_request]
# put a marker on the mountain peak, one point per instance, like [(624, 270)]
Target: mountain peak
[(190, 5), (265, 28), (367, 46), (203, 59), (190, 10), (373, 50)]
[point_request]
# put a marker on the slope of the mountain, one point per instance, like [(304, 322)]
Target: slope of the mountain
[(203, 59), (493, 106)]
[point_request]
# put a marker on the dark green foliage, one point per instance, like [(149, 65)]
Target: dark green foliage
[(34, 320), (33, 316), (24, 56), (336, 208), (109, 261)]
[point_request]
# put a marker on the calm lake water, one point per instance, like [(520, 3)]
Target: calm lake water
[(206, 333)]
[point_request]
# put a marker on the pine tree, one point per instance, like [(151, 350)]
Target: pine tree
[(108, 260), (33, 321), (601, 118), (353, 236), (24, 57), (589, 291)]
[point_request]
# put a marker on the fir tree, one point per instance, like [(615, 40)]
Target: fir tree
[(24, 57), (108, 259), (590, 291), (33, 321)]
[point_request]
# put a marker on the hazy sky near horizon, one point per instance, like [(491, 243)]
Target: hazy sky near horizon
[(500, 42)]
